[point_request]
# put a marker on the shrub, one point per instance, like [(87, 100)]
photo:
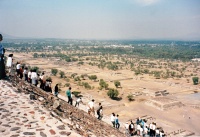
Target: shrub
[(130, 97), (62, 74), (117, 84), (67, 84), (54, 71), (112, 93), (195, 80)]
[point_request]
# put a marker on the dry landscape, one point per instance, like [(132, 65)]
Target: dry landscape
[(173, 103)]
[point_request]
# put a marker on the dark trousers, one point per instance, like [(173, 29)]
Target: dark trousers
[(77, 104), (69, 100), (117, 125)]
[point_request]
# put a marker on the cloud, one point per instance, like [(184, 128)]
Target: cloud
[(146, 2)]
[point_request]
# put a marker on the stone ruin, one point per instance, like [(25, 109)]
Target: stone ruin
[(163, 103), (81, 122)]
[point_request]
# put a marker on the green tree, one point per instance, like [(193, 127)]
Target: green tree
[(195, 80), (62, 74), (35, 55), (103, 84), (117, 84), (54, 71), (93, 77), (112, 93)]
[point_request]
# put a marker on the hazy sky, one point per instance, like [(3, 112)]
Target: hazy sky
[(101, 19)]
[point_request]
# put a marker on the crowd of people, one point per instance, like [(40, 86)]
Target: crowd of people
[(139, 128)]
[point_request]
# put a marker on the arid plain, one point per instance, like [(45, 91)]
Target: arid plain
[(180, 116)]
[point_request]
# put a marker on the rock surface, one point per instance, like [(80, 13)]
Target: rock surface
[(20, 116)]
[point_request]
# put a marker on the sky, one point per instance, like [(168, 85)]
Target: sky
[(101, 19)]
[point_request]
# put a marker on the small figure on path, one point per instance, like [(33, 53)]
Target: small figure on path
[(100, 112), (112, 119), (68, 93), (90, 107), (56, 90), (79, 100)]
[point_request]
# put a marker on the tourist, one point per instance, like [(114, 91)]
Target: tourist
[(41, 79), (157, 132), (141, 131), (138, 129), (2, 65), (151, 129), (132, 128), (79, 100), (68, 93), (127, 132), (18, 66), (112, 119), (117, 125), (48, 85), (145, 133), (9, 63), (154, 129), (90, 107), (21, 72), (56, 90), (98, 110), (34, 77), (29, 76), (25, 74)]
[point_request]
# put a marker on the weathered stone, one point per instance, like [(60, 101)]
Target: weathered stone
[(43, 134), (65, 133), (6, 125), (29, 133), (32, 112), (16, 135), (29, 125), (61, 127), (2, 130), (40, 129), (14, 128), (24, 121), (52, 132)]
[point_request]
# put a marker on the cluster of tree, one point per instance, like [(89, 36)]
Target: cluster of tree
[(103, 84)]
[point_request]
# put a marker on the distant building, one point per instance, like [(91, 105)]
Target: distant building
[(196, 59)]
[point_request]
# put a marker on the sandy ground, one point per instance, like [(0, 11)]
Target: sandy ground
[(185, 117)]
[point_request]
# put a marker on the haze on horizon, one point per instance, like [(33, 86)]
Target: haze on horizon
[(101, 19)]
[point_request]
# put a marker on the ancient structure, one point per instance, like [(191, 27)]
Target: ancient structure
[(83, 123), (163, 103)]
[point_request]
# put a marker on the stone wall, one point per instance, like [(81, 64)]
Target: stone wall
[(83, 123)]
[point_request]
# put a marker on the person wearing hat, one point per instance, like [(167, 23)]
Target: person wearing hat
[(2, 65)]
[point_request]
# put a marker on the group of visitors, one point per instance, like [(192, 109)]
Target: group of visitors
[(141, 128), (115, 121), (90, 105), (91, 110)]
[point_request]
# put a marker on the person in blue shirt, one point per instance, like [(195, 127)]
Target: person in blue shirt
[(2, 64), (69, 95), (117, 125)]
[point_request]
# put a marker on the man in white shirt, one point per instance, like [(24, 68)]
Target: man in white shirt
[(90, 107), (79, 100), (112, 119)]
